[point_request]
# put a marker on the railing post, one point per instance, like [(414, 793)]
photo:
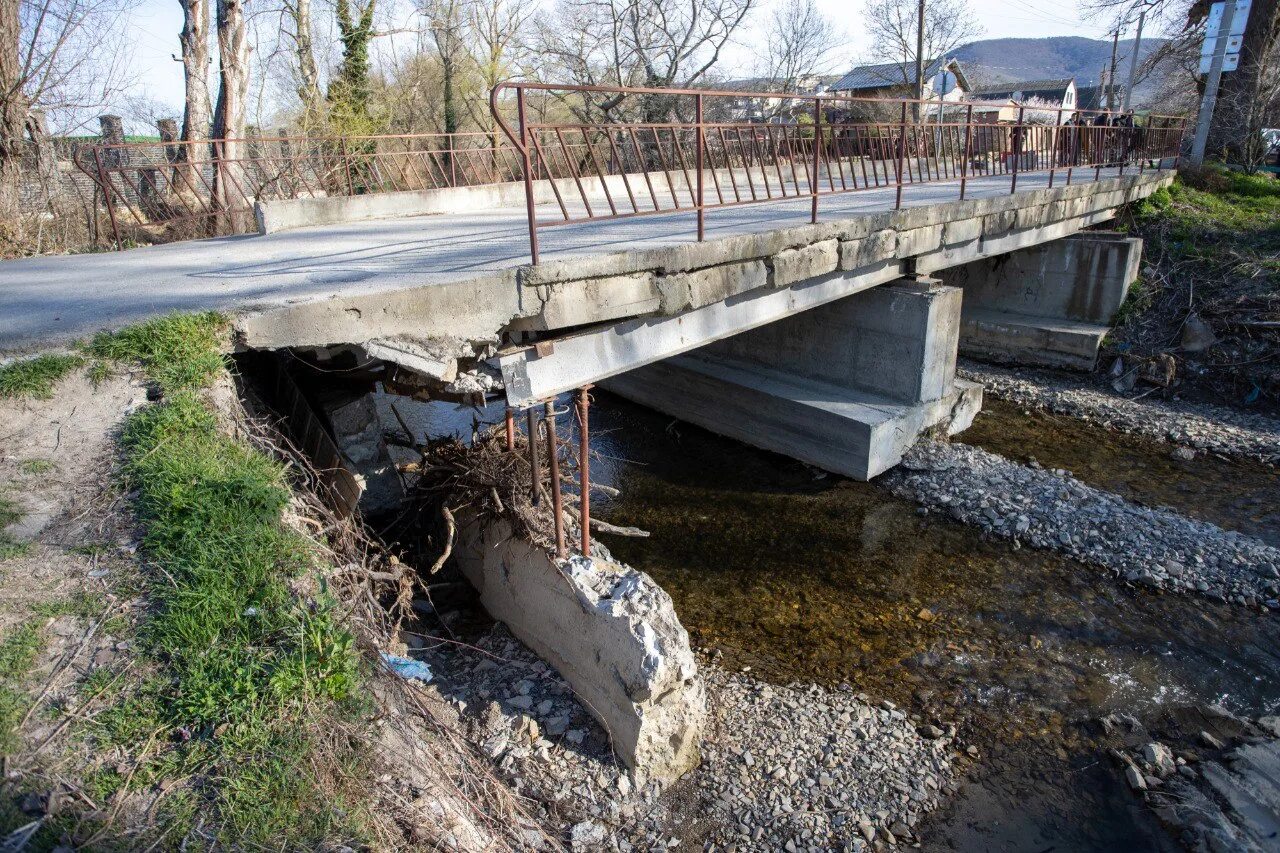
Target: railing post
[(1053, 146), (527, 163), (968, 150), (346, 164), (105, 183), (700, 141), (1018, 138), (902, 151), (817, 158)]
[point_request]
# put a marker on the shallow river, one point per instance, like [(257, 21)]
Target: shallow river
[(804, 576)]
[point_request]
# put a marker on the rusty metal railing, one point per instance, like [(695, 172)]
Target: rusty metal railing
[(701, 158), (164, 191)]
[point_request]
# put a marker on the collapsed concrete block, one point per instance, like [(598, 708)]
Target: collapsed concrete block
[(1001, 222), (795, 265), (610, 631), (358, 432)]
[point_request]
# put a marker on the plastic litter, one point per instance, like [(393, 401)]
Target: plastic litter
[(414, 670)]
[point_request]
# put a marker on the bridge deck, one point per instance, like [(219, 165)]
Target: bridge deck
[(50, 301)]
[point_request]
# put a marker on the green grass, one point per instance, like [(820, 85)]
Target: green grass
[(82, 604), (245, 674), (36, 377), (178, 352), (18, 651), (10, 548), (37, 467), (1217, 203)]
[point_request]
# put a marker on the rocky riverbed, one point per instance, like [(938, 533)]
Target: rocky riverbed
[(1052, 509), (795, 768)]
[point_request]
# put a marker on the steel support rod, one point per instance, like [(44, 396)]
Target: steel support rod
[(584, 468), (968, 150), (534, 476), (553, 461), (511, 429)]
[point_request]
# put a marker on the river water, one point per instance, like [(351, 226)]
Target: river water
[(809, 577), (804, 576)]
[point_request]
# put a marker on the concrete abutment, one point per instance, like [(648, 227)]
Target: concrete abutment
[(1048, 305)]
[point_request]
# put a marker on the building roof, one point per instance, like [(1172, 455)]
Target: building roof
[(1048, 90), (888, 74)]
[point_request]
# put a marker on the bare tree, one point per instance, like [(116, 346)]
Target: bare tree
[(298, 13), (647, 43), (798, 46), (497, 45), (1244, 95), (233, 92), (446, 24), (63, 57), (893, 26)]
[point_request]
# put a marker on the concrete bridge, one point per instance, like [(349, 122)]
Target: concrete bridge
[(830, 337)]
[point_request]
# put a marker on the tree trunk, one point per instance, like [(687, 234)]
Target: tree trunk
[(197, 114), (233, 91), (308, 75), (13, 107), (1240, 89)]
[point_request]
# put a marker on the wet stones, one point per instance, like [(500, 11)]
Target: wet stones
[(1052, 510)]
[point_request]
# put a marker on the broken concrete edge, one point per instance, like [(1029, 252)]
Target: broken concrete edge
[(671, 279), (610, 631)]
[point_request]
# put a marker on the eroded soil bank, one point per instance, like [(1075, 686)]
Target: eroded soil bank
[(806, 577)]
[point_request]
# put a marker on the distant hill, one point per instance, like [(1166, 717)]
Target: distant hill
[(1013, 59)]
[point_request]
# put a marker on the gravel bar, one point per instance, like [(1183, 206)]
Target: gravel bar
[(1053, 510), (799, 768), (1203, 426)]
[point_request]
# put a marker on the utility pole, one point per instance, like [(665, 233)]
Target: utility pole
[(919, 57), (1111, 75), (1210, 99), (1133, 60)]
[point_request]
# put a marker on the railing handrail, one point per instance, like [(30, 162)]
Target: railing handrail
[(1033, 145)]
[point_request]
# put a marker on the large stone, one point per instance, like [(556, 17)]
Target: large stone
[(610, 631)]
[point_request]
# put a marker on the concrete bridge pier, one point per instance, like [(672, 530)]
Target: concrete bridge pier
[(848, 386), (1049, 305)]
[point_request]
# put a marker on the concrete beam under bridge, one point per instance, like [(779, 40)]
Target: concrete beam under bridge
[(848, 387), (589, 357)]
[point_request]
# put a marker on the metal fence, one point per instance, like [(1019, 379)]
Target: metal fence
[(823, 146), (163, 191)]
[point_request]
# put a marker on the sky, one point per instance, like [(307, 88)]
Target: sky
[(158, 77)]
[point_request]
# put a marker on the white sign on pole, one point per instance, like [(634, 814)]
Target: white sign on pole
[(1235, 38)]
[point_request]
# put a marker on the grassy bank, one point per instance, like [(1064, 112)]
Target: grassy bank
[(243, 672), (1211, 260)]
